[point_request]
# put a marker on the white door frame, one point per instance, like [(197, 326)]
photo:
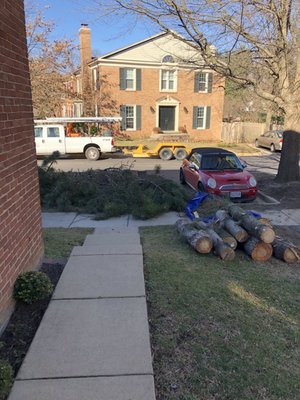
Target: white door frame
[(168, 101)]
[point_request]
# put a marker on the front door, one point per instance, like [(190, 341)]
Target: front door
[(167, 118)]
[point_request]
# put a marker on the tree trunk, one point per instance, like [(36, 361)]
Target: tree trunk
[(227, 238), (257, 250), (236, 231), (222, 249), (252, 225), (288, 169), (198, 239), (285, 250)]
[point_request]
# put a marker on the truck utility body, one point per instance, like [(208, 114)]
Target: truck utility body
[(55, 134)]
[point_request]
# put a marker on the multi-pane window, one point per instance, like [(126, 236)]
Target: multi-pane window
[(167, 80), (129, 117), (129, 78), (200, 117), (202, 81)]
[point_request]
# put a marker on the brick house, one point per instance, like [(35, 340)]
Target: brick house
[(152, 84), (21, 244)]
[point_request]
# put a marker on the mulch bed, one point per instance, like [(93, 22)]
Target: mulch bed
[(25, 320)]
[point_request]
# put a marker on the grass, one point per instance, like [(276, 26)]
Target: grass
[(59, 242), (220, 330)]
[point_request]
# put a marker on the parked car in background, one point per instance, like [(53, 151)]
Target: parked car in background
[(220, 172), (272, 140)]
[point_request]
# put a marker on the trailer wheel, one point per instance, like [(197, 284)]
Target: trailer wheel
[(92, 153), (180, 153), (165, 153)]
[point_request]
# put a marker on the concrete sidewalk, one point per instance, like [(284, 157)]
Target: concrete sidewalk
[(93, 342), (288, 217)]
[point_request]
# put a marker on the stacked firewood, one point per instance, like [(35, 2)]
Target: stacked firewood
[(232, 228)]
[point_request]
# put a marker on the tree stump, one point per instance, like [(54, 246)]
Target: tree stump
[(197, 238), (285, 250), (258, 250)]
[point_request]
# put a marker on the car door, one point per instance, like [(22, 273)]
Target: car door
[(39, 139), (191, 170), (54, 139), (265, 140)]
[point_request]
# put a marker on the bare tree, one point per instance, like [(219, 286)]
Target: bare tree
[(50, 63), (266, 30)]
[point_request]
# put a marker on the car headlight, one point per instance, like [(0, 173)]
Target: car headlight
[(211, 183), (252, 181)]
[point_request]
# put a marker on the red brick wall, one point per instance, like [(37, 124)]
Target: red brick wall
[(21, 246), (150, 94)]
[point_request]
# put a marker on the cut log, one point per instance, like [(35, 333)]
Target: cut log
[(285, 250), (197, 238), (222, 249), (252, 225), (258, 250), (227, 238), (236, 231), (236, 212)]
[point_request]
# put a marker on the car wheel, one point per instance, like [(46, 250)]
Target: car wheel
[(181, 177), (201, 188), (165, 153), (256, 143), (92, 153), (180, 153), (272, 148)]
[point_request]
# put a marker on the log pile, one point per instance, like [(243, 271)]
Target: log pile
[(234, 228)]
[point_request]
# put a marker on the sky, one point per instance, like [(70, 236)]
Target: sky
[(109, 35)]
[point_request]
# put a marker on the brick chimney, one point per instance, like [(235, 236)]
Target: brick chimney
[(85, 58)]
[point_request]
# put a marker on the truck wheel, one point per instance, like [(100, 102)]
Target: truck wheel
[(180, 153), (165, 153), (92, 153)]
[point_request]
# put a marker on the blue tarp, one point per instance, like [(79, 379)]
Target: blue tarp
[(193, 204)]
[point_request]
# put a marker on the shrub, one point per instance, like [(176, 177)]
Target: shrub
[(32, 286), (6, 378)]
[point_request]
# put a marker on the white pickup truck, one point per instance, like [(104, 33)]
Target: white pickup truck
[(50, 136)]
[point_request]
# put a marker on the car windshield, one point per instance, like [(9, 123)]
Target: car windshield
[(220, 162)]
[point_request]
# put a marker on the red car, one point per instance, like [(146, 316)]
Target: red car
[(219, 172)]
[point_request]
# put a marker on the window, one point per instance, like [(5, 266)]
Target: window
[(38, 131), (130, 79), (77, 109), (129, 117), (196, 159), (168, 80), (201, 117), (52, 132), (168, 59), (78, 85), (95, 79), (203, 82)]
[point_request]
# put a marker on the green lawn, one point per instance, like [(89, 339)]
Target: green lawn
[(220, 331), (59, 242)]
